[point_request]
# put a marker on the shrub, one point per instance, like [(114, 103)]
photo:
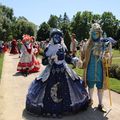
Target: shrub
[(118, 72), (112, 70)]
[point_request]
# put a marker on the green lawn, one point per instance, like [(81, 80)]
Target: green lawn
[(116, 60), (116, 53), (79, 71), (1, 64), (114, 83), (116, 57)]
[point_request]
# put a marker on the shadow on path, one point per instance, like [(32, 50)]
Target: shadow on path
[(23, 74), (18, 74), (90, 114)]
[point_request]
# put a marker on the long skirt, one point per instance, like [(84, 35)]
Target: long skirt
[(14, 50), (59, 94), (28, 62)]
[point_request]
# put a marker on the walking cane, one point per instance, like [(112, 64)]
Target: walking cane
[(107, 79)]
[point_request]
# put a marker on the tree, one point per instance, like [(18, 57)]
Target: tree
[(81, 24), (64, 25), (109, 24), (23, 26), (6, 17), (118, 39), (53, 21), (43, 32), (6, 11), (11, 27), (67, 38), (66, 19), (60, 21), (86, 18), (75, 25), (96, 18)]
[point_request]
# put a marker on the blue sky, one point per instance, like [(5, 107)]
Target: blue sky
[(38, 11)]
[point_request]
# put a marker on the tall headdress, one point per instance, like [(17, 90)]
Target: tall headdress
[(96, 28), (27, 38)]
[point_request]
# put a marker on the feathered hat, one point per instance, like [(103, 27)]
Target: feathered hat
[(27, 38)]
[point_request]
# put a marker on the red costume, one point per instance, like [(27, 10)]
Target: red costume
[(28, 62), (14, 48)]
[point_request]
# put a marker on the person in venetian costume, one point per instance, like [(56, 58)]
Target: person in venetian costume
[(19, 47), (14, 48), (97, 50), (28, 62), (73, 50), (73, 45), (58, 89)]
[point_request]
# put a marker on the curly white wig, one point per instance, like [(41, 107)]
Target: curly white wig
[(96, 28)]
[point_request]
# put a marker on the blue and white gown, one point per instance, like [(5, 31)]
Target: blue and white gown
[(58, 89)]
